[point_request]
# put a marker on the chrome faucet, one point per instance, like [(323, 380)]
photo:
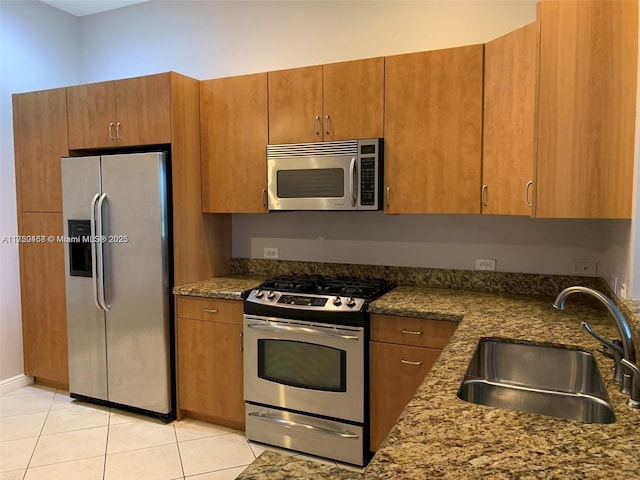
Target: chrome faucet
[(626, 371)]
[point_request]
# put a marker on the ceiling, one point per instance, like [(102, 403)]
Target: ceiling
[(79, 8)]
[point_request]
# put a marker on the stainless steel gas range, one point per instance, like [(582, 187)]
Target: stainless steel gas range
[(305, 364)]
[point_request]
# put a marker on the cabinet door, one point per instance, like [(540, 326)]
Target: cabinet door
[(210, 370), (353, 99), (396, 371), (40, 136), (44, 311), (92, 115), (587, 102), (510, 79), (433, 131), (234, 129), (143, 110), (295, 105)]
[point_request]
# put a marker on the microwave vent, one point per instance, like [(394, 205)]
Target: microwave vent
[(316, 149)]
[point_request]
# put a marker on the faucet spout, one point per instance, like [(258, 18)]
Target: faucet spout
[(626, 359), (623, 327)]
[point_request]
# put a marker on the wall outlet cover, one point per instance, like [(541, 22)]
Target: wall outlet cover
[(271, 252), (585, 268), (488, 264)]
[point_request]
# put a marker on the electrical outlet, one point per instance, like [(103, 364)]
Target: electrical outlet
[(584, 268), (486, 264), (271, 252)]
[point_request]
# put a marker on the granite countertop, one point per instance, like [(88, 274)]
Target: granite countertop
[(440, 436), (228, 287)]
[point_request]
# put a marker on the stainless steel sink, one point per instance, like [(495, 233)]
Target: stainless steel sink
[(548, 380)]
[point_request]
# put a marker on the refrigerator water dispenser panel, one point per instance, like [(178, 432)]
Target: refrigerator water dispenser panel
[(79, 248)]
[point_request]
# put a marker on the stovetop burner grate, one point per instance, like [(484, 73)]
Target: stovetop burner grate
[(367, 289)]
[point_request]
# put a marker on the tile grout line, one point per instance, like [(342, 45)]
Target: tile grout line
[(175, 433), (106, 446), (26, 470)]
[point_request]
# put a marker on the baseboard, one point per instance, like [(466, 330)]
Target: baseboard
[(14, 383)]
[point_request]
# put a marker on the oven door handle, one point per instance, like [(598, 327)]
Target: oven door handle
[(307, 330), (302, 426)]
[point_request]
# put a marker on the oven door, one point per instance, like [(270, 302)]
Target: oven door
[(304, 366), (313, 183)]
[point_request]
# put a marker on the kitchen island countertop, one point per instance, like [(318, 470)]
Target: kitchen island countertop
[(440, 436)]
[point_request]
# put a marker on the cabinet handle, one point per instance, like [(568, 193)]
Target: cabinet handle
[(484, 195), (316, 123), (118, 136), (526, 193), (242, 342), (264, 197), (407, 362), (411, 332), (111, 131), (388, 197), (210, 310), (326, 124)]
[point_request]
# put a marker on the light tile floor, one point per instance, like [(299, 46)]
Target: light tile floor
[(44, 434)]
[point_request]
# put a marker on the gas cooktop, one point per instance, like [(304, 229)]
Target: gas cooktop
[(367, 289), (330, 300)]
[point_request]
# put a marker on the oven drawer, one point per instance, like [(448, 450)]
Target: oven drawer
[(417, 332), (326, 438), (210, 309)]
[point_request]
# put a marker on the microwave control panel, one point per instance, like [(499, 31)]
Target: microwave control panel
[(368, 180), (370, 170)]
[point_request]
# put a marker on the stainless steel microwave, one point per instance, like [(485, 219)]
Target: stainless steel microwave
[(344, 175)]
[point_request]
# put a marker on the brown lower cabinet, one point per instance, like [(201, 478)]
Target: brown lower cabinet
[(44, 310), (209, 360), (402, 351)]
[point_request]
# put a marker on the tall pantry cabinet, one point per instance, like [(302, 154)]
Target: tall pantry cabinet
[(40, 139)]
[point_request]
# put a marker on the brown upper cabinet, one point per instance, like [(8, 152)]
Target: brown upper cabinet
[(510, 82), (559, 113), (433, 131), (40, 138), (234, 129), (586, 108), (129, 112), (338, 101)]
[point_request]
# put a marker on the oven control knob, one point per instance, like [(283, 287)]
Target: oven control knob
[(259, 294), (351, 302), (337, 301), (270, 295)]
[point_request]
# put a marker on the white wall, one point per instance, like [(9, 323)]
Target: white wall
[(518, 244), (216, 39), (38, 50)]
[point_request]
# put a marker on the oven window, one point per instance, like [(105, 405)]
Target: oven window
[(311, 183), (304, 365)]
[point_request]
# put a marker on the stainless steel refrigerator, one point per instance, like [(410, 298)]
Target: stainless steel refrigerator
[(116, 227)]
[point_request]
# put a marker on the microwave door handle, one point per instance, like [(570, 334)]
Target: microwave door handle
[(354, 183)]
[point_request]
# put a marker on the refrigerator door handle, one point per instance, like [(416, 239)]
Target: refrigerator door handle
[(99, 240), (94, 269)]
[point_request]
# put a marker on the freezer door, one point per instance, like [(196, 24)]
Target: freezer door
[(136, 266), (85, 321)]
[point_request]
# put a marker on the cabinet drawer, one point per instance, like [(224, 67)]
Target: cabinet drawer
[(214, 310), (420, 332)]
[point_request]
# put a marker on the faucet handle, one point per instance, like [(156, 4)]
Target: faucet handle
[(616, 351), (634, 399)]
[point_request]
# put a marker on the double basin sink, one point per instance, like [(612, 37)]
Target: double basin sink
[(544, 379)]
